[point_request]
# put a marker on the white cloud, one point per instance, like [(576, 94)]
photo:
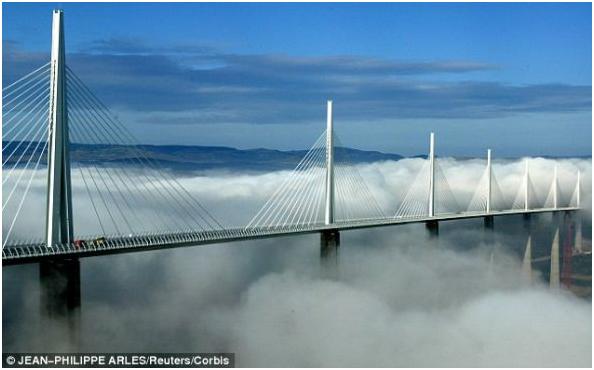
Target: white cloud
[(397, 300), (235, 198)]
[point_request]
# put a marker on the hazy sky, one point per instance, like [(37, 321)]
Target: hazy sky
[(514, 77)]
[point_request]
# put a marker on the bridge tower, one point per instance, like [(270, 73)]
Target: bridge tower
[(578, 223), (432, 175), (59, 197), (578, 189), (489, 218), (329, 214), (330, 239), (526, 192), (432, 226), (489, 174), (59, 278), (526, 187), (555, 203)]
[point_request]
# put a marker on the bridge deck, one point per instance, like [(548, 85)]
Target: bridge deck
[(21, 254)]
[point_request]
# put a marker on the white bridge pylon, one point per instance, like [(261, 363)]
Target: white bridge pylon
[(325, 188), (429, 193), (48, 114), (488, 196), (324, 191)]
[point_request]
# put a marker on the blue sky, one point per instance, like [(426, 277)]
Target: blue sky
[(514, 77)]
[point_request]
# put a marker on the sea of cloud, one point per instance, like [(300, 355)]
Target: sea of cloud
[(397, 297), (234, 198)]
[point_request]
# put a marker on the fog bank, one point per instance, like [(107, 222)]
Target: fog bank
[(396, 299)]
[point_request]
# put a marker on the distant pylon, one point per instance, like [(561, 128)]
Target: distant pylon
[(432, 175), (555, 190), (526, 186), (578, 189), (329, 214), (489, 174)]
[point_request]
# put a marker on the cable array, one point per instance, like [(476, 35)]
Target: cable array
[(520, 198), (415, 203), (300, 200), (566, 187), (353, 198), (118, 185), (25, 112), (113, 178), (574, 195), (445, 200), (478, 202), (550, 198), (499, 202), (127, 185)]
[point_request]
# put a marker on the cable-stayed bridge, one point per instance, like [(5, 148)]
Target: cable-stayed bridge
[(50, 110)]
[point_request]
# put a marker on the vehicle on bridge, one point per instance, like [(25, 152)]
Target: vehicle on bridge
[(99, 242), (78, 243)]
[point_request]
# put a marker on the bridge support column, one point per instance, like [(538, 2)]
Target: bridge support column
[(489, 232), (59, 279), (554, 276), (433, 228), (329, 239), (489, 236), (329, 249), (577, 244), (489, 223), (568, 247), (329, 243), (60, 295), (527, 261)]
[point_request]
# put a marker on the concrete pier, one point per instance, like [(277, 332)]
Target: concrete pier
[(61, 295), (489, 223), (489, 231), (433, 228), (554, 276), (527, 261), (329, 244)]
